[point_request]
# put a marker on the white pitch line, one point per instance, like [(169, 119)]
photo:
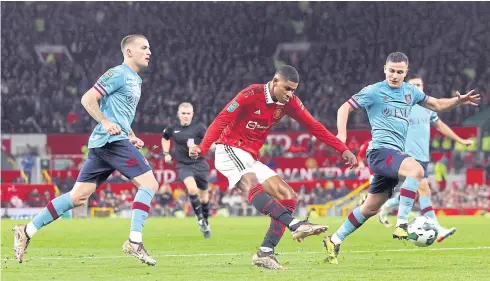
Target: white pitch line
[(249, 253)]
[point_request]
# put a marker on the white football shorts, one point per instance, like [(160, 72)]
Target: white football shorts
[(234, 162)]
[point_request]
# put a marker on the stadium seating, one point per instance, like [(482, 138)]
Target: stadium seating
[(210, 58)]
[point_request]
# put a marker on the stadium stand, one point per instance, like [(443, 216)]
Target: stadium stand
[(210, 58)]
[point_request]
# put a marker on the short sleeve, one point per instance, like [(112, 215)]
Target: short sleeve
[(363, 99), (418, 96), (168, 132), (433, 117), (110, 82)]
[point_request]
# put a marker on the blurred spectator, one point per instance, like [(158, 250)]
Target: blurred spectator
[(34, 198), (28, 165), (195, 54)]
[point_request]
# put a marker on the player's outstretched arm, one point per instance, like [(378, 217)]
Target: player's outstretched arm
[(448, 132), (446, 104), (298, 112), (342, 118), (90, 101)]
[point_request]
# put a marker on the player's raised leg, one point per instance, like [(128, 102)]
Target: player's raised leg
[(269, 206), (427, 210), (94, 171), (286, 196), (56, 208), (412, 173), (380, 190)]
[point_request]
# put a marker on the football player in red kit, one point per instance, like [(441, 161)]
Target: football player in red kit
[(361, 156), (240, 130)]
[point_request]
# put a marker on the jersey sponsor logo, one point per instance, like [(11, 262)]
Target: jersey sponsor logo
[(252, 125), (401, 113), (278, 113), (408, 99), (420, 121), (234, 105), (257, 112)]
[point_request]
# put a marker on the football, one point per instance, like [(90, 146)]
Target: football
[(422, 231)]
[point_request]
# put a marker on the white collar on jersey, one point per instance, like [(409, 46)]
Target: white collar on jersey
[(268, 96)]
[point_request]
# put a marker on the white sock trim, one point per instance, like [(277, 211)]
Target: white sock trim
[(295, 221), (401, 221), (31, 229), (336, 240), (266, 249), (136, 236)]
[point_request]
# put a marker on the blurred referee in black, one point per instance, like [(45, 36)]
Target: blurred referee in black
[(192, 172)]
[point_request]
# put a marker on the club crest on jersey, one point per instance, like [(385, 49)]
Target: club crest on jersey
[(386, 112), (277, 113), (234, 105), (408, 99)]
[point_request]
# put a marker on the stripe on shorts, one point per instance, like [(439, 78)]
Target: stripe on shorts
[(234, 158)]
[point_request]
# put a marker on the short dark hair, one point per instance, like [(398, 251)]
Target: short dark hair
[(397, 57), (414, 76), (288, 72), (128, 39)]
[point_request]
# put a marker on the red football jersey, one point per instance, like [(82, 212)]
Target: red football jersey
[(362, 150), (246, 121), (361, 156)]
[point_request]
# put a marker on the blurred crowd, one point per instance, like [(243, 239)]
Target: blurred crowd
[(168, 202), (461, 195), (205, 52)]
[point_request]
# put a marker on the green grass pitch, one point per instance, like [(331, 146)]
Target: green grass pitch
[(91, 250)]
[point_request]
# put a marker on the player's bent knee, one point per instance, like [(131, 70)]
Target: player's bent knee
[(419, 173), (81, 192), (368, 211), (146, 180), (413, 169), (79, 199)]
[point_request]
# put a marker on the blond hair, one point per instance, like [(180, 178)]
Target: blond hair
[(129, 39), (185, 105)]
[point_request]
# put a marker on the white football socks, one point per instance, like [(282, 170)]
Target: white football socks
[(136, 236), (30, 229)]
